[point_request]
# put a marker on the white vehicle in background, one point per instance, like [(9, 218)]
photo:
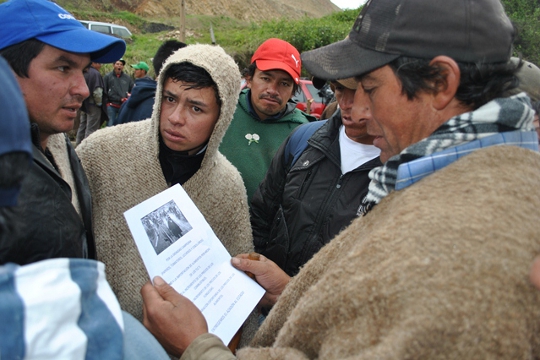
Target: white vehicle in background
[(107, 28)]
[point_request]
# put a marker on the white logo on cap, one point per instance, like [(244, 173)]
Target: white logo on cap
[(66, 16), (296, 61)]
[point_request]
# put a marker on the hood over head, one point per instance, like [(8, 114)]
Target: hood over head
[(225, 73), (15, 144)]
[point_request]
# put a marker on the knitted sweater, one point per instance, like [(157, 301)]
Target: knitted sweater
[(438, 270), (123, 170)]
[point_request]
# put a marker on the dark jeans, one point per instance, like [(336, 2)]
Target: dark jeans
[(112, 112)]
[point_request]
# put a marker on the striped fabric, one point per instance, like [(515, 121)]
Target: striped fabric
[(497, 116), (59, 309), (416, 170)]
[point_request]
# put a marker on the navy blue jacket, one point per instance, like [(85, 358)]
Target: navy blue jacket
[(140, 103)]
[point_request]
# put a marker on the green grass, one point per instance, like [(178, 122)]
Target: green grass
[(241, 38)]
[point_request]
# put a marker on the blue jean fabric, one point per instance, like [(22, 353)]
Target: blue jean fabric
[(112, 112), (139, 343)]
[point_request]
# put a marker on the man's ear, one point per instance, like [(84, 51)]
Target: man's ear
[(446, 86), (248, 81)]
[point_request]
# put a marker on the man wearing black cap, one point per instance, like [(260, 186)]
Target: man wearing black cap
[(48, 50), (317, 193), (435, 266), (66, 301), (118, 85)]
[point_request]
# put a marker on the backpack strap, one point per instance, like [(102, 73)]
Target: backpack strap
[(298, 141)]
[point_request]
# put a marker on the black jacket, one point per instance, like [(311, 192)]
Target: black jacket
[(117, 87), (45, 224), (294, 213)]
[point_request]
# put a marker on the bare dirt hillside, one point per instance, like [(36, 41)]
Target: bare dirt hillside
[(251, 10), (248, 10)]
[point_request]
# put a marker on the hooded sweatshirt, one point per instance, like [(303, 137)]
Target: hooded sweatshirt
[(122, 164), (140, 103), (250, 144)]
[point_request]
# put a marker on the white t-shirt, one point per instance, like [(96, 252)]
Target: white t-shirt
[(354, 154)]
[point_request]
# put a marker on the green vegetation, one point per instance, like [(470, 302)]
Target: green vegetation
[(304, 34), (238, 38), (525, 14)]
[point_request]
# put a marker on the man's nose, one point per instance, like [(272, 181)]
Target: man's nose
[(80, 87), (347, 100), (361, 104), (178, 117), (272, 87)]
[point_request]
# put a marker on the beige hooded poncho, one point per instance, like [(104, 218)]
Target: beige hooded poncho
[(123, 170)]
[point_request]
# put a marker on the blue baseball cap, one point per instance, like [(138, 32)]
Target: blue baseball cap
[(47, 22), (14, 130)]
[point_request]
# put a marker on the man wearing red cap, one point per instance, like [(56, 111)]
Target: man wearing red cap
[(264, 116)]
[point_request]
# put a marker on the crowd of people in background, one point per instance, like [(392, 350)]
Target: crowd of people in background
[(403, 226)]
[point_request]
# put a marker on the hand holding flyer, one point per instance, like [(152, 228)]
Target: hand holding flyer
[(176, 243)]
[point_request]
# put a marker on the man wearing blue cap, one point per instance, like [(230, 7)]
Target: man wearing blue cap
[(48, 50), (50, 299)]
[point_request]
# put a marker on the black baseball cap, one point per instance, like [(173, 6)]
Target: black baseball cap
[(466, 30)]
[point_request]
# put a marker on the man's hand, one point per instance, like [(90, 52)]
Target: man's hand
[(171, 317), (267, 274)]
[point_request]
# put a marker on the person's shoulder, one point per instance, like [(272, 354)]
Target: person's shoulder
[(108, 76), (302, 117), (512, 158), (241, 111), (242, 99), (226, 173), (494, 171), (146, 82), (307, 129), (114, 138)]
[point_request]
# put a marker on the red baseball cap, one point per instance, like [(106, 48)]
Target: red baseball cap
[(277, 54)]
